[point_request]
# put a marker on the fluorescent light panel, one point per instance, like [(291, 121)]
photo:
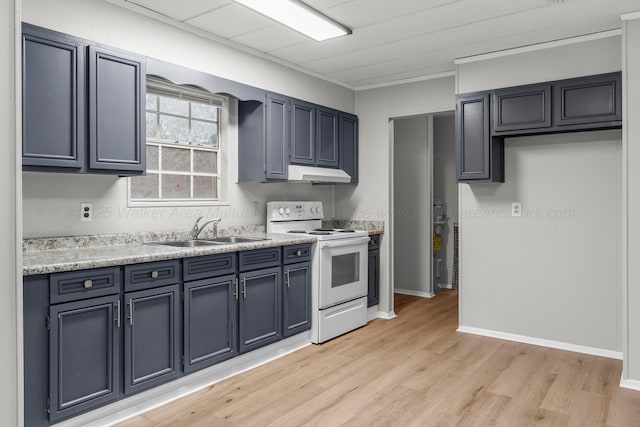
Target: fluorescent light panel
[(299, 17)]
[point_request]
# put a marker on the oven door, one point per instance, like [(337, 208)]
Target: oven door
[(343, 270)]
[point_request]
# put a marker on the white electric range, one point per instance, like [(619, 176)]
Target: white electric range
[(338, 271)]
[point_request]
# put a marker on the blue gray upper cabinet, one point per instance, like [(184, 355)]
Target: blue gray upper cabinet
[(116, 111), (83, 106), (521, 108), (277, 143), (327, 138), (303, 134), (478, 155), (53, 93), (349, 145), (588, 101)]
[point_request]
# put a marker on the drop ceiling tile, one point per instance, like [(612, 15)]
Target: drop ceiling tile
[(181, 10), (230, 21), (271, 38), (325, 4)]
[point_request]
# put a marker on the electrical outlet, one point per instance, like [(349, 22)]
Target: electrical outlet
[(516, 209), (86, 211)]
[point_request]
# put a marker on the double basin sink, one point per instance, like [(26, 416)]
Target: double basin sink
[(208, 242)]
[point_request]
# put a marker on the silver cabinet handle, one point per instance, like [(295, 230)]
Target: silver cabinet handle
[(154, 274), (235, 294), (118, 313), (244, 287), (88, 284), (286, 279), (131, 312), (299, 253)]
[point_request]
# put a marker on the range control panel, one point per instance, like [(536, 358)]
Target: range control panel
[(288, 211)]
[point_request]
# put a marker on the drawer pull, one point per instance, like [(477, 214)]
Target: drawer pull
[(88, 284), (299, 253), (154, 274)]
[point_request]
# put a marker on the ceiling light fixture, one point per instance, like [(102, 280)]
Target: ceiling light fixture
[(299, 17)]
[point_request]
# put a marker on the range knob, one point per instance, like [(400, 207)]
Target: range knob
[(281, 211), (287, 211)]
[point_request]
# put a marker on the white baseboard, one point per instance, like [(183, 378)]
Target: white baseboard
[(414, 293), (445, 286), (542, 342), (158, 396), (630, 384), (373, 313), (387, 315)]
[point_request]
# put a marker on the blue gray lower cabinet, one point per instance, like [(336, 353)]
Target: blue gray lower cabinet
[(210, 313), (84, 349), (84, 362), (260, 315), (296, 299), (152, 344)]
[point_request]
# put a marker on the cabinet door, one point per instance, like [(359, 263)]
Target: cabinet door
[(53, 99), (587, 100), (151, 338), (327, 138), (277, 139), (479, 157), (349, 145), (84, 355), (373, 293), (116, 111), (303, 133), (522, 108), (260, 316), (210, 312), (297, 298)]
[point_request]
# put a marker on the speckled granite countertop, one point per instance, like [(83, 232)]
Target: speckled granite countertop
[(80, 258), (58, 254)]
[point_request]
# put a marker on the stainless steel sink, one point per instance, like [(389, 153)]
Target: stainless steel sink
[(235, 239), (186, 243)]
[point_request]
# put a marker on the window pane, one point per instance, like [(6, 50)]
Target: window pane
[(176, 187), (174, 129), (174, 106), (152, 157), (145, 187), (152, 125), (205, 161), (152, 102), (204, 133), (176, 159), (204, 187), (204, 111)]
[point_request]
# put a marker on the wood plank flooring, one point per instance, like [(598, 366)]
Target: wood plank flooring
[(414, 370)]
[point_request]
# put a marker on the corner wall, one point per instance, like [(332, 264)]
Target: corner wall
[(554, 273), (631, 248)]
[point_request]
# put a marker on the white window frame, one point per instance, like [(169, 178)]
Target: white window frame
[(162, 88)]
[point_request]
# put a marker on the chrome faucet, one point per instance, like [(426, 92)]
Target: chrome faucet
[(196, 230)]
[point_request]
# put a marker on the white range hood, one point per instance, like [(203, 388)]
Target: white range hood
[(313, 174)]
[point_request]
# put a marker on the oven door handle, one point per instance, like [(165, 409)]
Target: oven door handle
[(345, 242)]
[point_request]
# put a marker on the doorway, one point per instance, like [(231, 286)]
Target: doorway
[(424, 204)]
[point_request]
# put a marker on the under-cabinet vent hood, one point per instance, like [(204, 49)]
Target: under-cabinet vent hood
[(313, 174)]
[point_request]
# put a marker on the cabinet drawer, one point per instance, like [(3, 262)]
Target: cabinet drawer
[(209, 266), (151, 275), (83, 284), (260, 258), (296, 253), (374, 241)]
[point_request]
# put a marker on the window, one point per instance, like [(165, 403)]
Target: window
[(183, 147)]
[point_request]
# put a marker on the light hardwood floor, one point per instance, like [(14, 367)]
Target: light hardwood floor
[(414, 370)]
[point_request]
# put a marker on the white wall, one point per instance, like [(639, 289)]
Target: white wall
[(10, 260), (445, 185), (554, 273), (52, 201), (631, 270), (412, 200), (369, 200)]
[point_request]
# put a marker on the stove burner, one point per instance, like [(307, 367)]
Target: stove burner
[(320, 233), (346, 230), (323, 229), (297, 231)]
